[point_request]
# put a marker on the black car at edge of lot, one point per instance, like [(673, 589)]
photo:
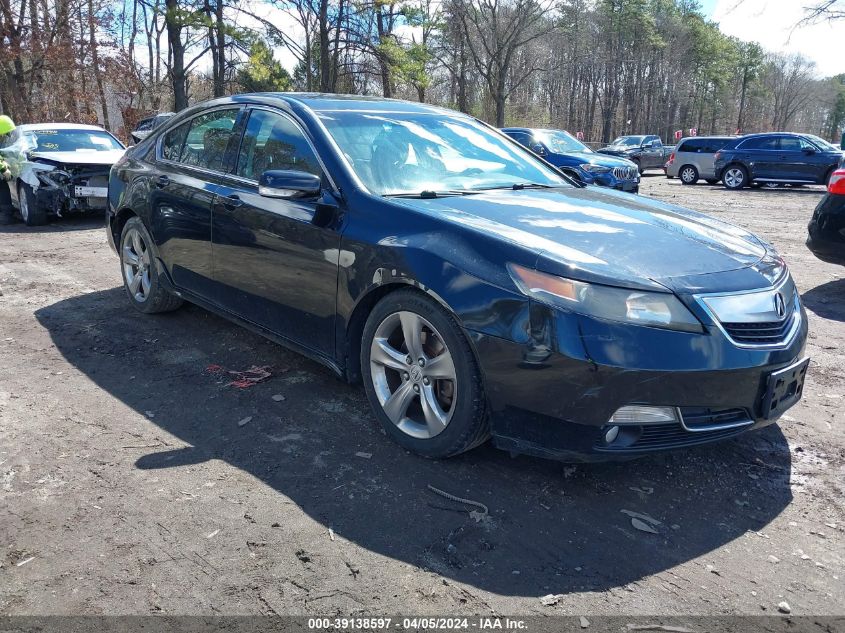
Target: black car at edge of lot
[(776, 158), (473, 289), (826, 230)]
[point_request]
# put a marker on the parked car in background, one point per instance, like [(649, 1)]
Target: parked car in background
[(472, 288), (693, 159), (776, 158), (647, 151), (566, 152), (146, 126), (826, 230), (59, 167)]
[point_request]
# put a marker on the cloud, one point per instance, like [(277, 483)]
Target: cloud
[(772, 24)]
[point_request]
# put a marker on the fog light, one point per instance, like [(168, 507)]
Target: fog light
[(612, 434), (641, 414)]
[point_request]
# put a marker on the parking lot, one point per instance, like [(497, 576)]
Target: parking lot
[(141, 473)]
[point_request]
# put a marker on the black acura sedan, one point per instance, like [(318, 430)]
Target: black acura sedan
[(473, 289)]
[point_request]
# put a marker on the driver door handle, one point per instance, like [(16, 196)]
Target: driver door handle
[(231, 202)]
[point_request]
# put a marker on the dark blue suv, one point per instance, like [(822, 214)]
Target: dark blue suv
[(776, 158), (571, 156)]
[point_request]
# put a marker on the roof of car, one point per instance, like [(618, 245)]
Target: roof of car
[(58, 126), (324, 102)]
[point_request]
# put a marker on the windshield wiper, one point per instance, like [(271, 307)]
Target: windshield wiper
[(517, 186), (429, 193)]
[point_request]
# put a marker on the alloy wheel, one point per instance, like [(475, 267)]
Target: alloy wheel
[(137, 263), (734, 177), (413, 374), (688, 175)]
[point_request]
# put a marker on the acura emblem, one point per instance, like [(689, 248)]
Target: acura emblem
[(780, 307)]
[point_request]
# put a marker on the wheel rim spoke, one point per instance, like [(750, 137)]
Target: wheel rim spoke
[(386, 355), (435, 418), (441, 367), (137, 244), (129, 257), (135, 283), (397, 404), (412, 331), (145, 283)]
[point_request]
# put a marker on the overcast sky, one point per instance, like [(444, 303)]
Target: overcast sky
[(772, 22)]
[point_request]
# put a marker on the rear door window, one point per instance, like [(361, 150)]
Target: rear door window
[(691, 146), (761, 142), (208, 138)]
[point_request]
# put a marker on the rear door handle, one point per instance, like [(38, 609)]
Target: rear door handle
[(231, 202), (162, 181)]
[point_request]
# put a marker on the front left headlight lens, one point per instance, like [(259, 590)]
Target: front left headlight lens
[(595, 169), (654, 309)]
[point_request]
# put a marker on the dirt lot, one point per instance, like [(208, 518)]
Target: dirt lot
[(131, 483)]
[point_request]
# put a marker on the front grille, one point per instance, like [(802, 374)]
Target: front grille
[(768, 332), (668, 436), (696, 418), (625, 173)]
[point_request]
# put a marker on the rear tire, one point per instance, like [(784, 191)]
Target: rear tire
[(32, 213), (435, 407), (688, 174), (140, 271), (735, 177)]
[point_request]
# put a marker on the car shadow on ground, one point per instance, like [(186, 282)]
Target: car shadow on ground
[(551, 527), (827, 300), (74, 222)]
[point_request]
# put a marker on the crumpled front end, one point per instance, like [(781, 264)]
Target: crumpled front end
[(62, 188)]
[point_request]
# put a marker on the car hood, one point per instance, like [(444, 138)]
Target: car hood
[(107, 157), (599, 235)]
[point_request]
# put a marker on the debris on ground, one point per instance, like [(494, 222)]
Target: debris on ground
[(242, 379), (331, 533), (363, 454), (245, 421), (642, 522), (25, 561), (278, 397), (474, 514), (784, 607), (584, 622), (551, 599), (212, 534)]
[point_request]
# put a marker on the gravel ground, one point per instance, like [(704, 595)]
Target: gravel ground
[(136, 480)]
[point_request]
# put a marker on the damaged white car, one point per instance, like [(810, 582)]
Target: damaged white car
[(59, 168)]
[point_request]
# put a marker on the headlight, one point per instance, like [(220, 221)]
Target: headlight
[(655, 309), (595, 169)]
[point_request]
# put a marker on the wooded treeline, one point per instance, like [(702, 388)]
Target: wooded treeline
[(601, 67)]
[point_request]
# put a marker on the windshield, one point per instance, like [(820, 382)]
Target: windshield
[(561, 142), (395, 154), (825, 145), (629, 141), (71, 140)]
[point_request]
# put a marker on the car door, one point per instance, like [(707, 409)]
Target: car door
[(276, 259), (189, 169), (654, 152), (761, 155), (793, 163)]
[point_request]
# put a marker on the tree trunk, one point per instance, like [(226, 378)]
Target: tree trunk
[(177, 52)]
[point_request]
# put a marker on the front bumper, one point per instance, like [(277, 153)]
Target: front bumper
[(610, 180), (826, 230), (553, 396)]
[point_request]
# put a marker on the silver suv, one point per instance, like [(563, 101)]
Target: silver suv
[(693, 159)]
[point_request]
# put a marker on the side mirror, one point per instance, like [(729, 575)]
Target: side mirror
[(278, 183)]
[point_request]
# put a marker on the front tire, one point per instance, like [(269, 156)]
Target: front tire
[(688, 175), (735, 177), (32, 213), (140, 271), (421, 377)]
